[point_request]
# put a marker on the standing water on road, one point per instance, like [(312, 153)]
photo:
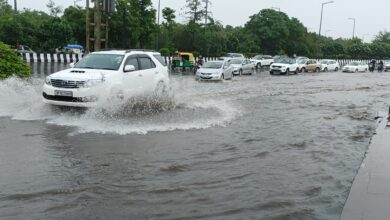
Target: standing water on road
[(258, 147)]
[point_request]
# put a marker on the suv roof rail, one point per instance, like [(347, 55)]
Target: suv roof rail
[(140, 50)]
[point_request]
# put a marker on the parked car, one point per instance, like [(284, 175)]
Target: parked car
[(215, 70), (125, 74), (301, 63), (329, 65), (262, 60), (387, 66), (235, 55), (248, 67), (237, 65), (24, 49), (311, 66), (284, 66), (355, 66)]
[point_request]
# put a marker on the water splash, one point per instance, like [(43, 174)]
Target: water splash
[(23, 101)]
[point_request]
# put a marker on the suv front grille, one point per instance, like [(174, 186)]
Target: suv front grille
[(70, 84)]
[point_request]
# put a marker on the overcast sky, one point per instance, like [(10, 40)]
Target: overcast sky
[(371, 16)]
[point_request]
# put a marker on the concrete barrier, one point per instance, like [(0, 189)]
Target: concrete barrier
[(50, 57)]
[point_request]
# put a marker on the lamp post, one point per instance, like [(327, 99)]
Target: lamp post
[(322, 10), (354, 23)]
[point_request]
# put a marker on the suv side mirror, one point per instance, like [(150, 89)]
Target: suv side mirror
[(129, 68), (71, 65)]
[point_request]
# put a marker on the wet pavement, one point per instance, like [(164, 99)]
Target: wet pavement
[(258, 147)]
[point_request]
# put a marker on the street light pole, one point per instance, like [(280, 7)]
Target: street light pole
[(354, 23), (158, 26), (322, 10)]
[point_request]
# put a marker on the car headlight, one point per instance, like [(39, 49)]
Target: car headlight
[(92, 82), (48, 80)]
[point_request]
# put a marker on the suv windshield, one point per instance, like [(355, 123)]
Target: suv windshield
[(100, 61), (213, 65), (286, 61), (160, 59)]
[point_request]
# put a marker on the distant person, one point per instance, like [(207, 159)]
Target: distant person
[(380, 66), (372, 65)]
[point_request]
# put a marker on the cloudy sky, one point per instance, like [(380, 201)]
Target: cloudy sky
[(371, 15)]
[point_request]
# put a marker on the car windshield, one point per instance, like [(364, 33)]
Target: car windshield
[(258, 57), (285, 61), (354, 64), (236, 61), (324, 62), (100, 61), (213, 65), (301, 61)]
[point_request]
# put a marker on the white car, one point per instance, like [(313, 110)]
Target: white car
[(126, 74), (355, 66), (284, 66), (215, 70), (242, 66), (262, 60), (387, 66), (329, 65)]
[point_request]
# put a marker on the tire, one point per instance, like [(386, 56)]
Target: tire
[(337, 69), (271, 73), (287, 72), (296, 71), (240, 72), (303, 70), (326, 69), (356, 70), (317, 70), (222, 77)]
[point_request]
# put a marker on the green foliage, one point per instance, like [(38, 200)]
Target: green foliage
[(133, 25), (165, 52), (11, 64)]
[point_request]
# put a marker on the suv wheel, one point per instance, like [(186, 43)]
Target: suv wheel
[(287, 72), (258, 66)]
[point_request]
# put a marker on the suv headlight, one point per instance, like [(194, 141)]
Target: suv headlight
[(48, 80), (92, 82)]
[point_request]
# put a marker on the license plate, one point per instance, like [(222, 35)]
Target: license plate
[(63, 93)]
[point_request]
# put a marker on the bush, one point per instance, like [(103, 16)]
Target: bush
[(164, 52), (11, 64)]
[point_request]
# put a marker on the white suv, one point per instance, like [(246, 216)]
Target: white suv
[(262, 60), (123, 74)]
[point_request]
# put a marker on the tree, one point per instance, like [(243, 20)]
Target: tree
[(11, 64), (382, 37)]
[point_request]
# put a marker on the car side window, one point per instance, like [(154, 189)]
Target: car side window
[(146, 63), (133, 61)]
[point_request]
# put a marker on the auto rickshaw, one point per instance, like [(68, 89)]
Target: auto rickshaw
[(183, 60)]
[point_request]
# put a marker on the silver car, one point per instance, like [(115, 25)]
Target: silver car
[(215, 70)]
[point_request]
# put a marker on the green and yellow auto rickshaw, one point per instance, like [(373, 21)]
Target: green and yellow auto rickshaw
[(182, 61)]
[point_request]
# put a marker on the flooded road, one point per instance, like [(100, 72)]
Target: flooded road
[(258, 147)]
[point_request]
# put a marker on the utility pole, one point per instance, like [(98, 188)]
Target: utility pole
[(158, 26), (97, 26), (87, 31), (354, 23), (207, 13)]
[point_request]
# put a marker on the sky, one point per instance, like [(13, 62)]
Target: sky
[(371, 16)]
